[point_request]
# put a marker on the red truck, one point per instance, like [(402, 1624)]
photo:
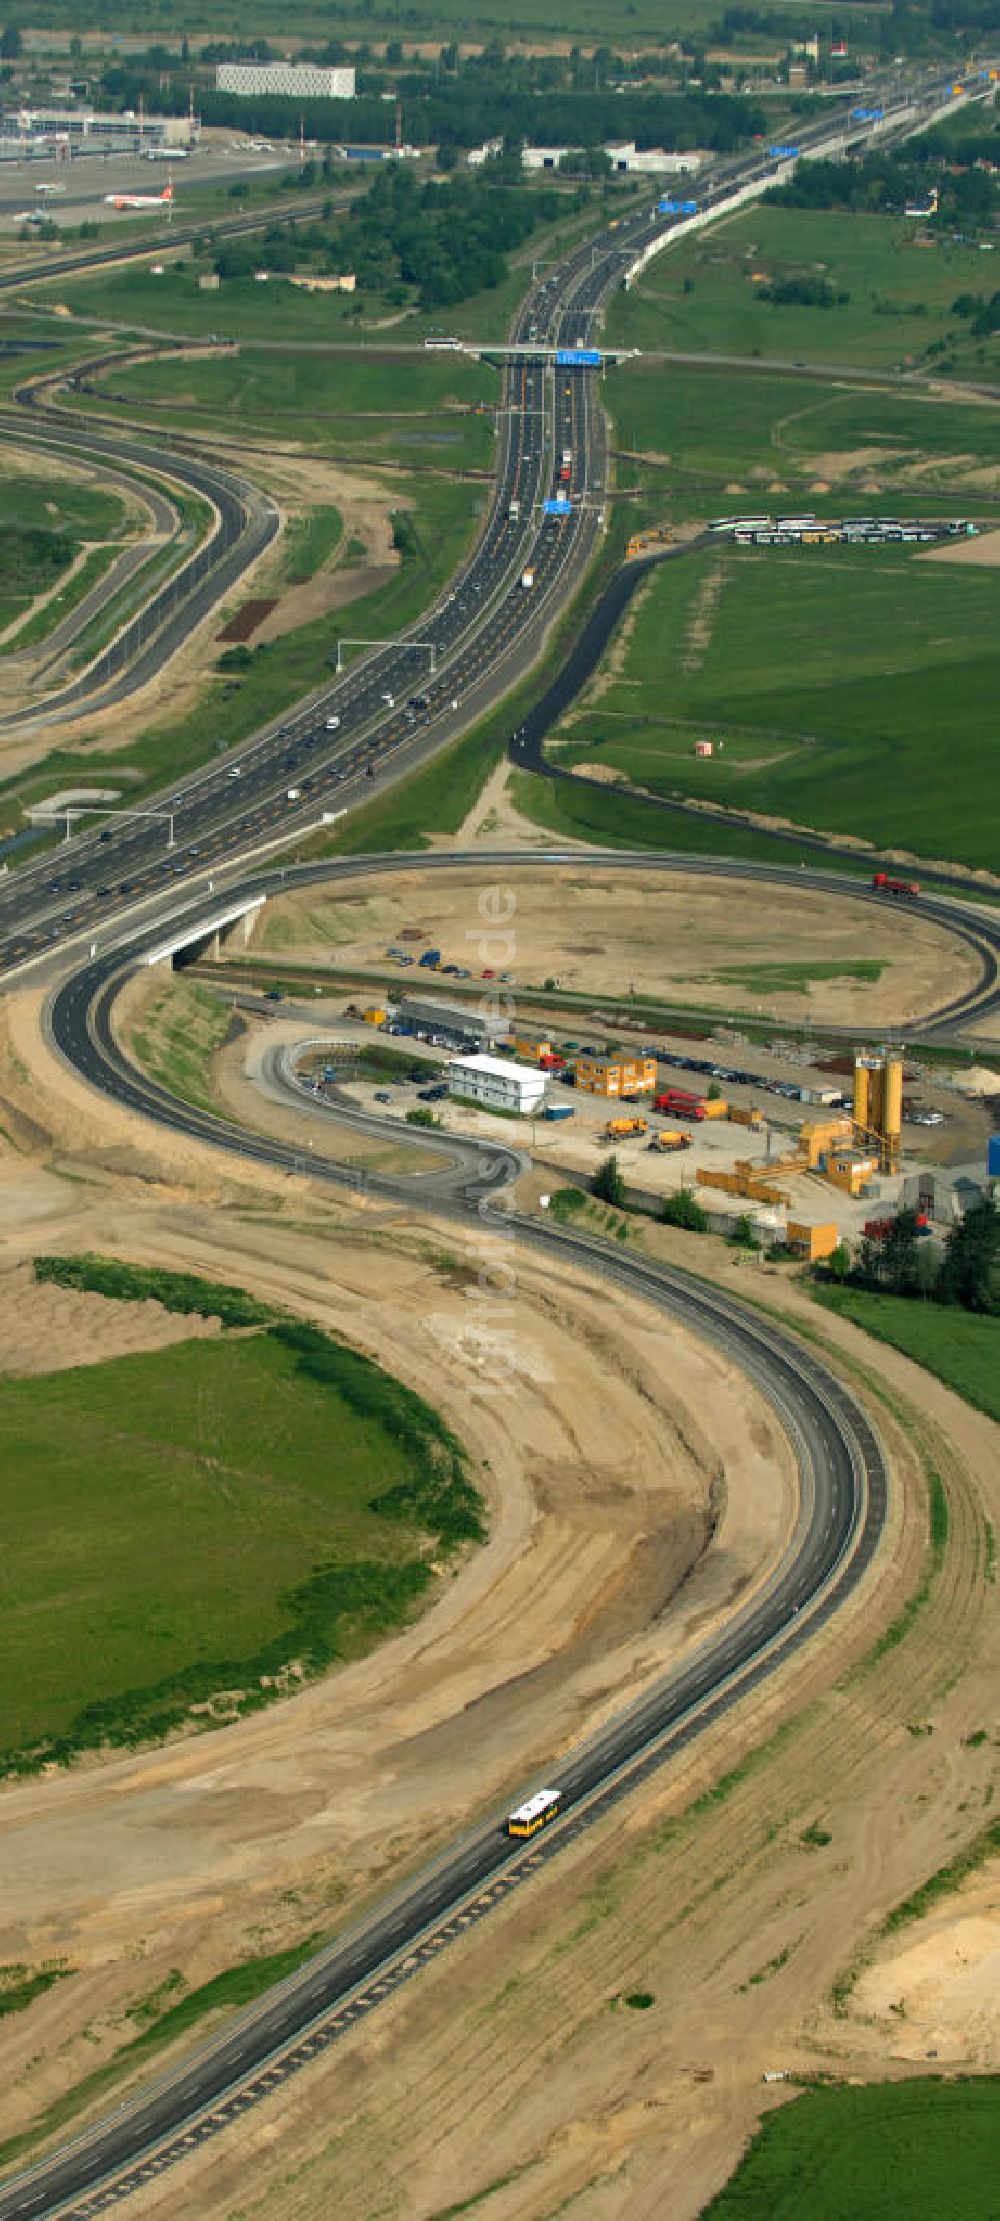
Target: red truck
[(679, 1104), (885, 885)]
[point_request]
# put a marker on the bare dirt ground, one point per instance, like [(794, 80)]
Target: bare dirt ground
[(511, 2072), (934, 1992), (674, 937), (46, 1329), (984, 549)]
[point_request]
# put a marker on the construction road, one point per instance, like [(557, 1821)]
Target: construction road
[(483, 638)]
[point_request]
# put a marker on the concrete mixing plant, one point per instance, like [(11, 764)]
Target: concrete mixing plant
[(878, 1104)]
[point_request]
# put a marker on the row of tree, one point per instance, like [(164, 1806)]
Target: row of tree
[(437, 243), (885, 184), (966, 1271)]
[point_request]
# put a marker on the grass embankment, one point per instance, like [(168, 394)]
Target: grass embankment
[(310, 542), (706, 293), (378, 407), (176, 1039), (134, 1488), (925, 2148), (961, 1347), (34, 555)]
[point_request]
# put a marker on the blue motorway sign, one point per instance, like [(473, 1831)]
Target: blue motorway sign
[(577, 358), (867, 115), (782, 154), (557, 508), (671, 207)]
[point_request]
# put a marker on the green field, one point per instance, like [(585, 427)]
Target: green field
[(711, 434), (60, 505), (705, 294), (398, 409), (961, 1347), (925, 2149), (43, 523), (186, 1523), (850, 689)]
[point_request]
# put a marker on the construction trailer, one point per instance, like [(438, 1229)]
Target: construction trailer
[(616, 1076)]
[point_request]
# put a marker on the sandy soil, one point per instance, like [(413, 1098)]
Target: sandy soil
[(510, 2062), (45, 1329), (672, 937), (984, 549), (511, 2074), (606, 1475), (935, 1992)]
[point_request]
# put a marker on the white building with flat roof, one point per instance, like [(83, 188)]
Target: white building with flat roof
[(497, 1084), (287, 80)]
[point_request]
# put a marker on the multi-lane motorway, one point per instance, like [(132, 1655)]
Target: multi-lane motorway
[(479, 632), (394, 708)]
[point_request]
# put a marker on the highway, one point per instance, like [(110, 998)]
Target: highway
[(402, 703), (246, 523), (841, 1511), (482, 637)]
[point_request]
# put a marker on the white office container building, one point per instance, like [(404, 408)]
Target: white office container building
[(497, 1084), (288, 80)]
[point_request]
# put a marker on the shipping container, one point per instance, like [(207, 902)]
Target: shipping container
[(558, 1110)]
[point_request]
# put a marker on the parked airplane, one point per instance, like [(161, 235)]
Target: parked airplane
[(141, 200)]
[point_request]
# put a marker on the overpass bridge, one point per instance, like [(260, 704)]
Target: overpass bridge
[(205, 936)]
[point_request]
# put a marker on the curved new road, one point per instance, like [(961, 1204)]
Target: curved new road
[(480, 640)]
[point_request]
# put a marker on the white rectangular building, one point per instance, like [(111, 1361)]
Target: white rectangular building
[(497, 1084), (288, 80)]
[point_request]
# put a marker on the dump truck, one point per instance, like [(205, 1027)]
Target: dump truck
[(617, 1129), (666, 1140), (375, 1016), (678, 1103), (884, 884)]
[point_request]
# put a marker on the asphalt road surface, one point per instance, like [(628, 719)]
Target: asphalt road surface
[(841, 1512), (842, 1476)]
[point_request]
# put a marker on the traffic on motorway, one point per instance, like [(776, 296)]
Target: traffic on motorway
[(387, 710), (406, 700)]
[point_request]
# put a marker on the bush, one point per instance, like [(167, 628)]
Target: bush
[(609, 1186), (177, 1291), (744, 1234), (683, 1209)]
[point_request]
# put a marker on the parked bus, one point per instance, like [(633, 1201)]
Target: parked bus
[(535, 1813), (739, 524)]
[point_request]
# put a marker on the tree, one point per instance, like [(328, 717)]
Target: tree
[(745, 1233), (609, 1186), (683, 1209), (10, 43), (970, 1272), (838, 1264)]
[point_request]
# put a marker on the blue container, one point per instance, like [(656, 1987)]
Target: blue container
[(993, 1157)]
